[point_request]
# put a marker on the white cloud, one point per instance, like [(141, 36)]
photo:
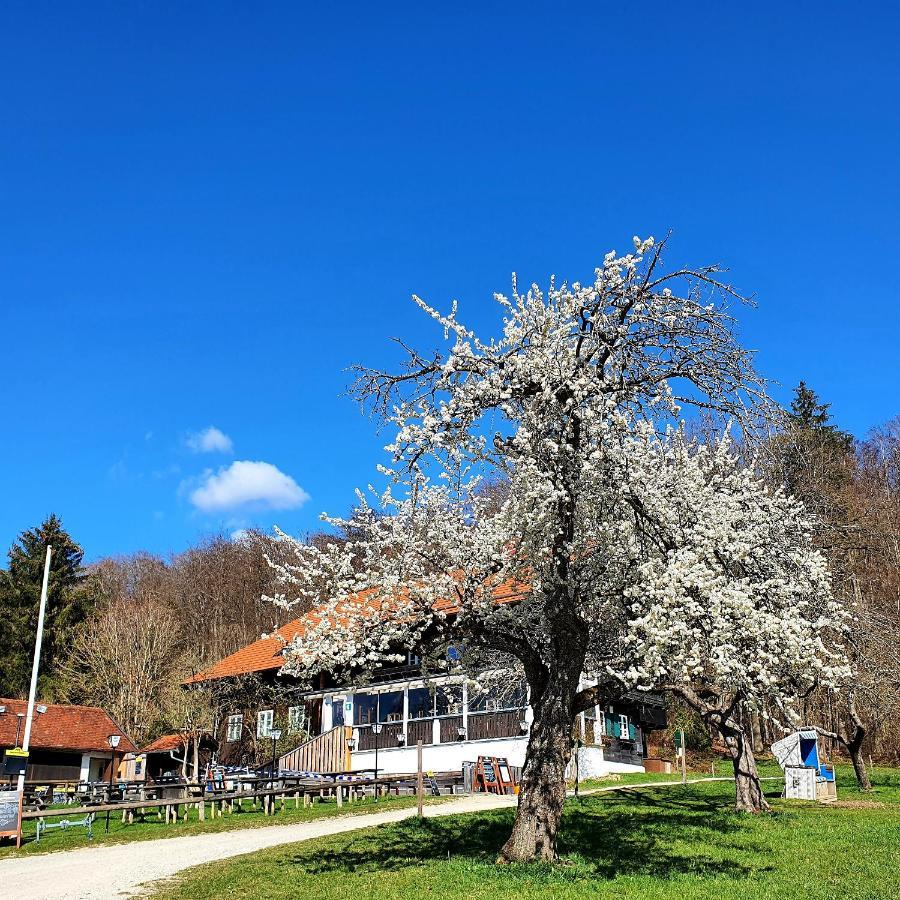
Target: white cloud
[(210, 440), (256, 485)]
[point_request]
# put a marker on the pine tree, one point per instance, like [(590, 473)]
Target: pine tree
[(814, 453), (809, 414), (70, 597)]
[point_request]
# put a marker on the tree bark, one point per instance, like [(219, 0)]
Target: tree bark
[(542, 788), (859, 767), (748, 789)]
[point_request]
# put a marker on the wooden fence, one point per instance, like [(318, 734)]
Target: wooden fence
[(301, 791), (326, 753)]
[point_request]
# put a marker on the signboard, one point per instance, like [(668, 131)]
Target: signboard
[(10, 809), (492, 774), (15, 761)]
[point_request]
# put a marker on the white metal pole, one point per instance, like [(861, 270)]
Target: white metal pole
[(36, 662)]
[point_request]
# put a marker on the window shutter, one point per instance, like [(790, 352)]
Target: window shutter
[(631, 731)]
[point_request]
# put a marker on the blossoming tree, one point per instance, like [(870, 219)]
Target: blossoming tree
[(730, 607), (545, 576)]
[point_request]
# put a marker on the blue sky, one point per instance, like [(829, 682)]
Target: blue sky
[(209, 211)]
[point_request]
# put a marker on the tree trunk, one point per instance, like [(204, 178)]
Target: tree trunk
[(542, 789), (859, 767), (748, 790), (758, 745)]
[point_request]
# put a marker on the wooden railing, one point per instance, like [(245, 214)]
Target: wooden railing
[(483, 726), (420, 730), (386, 740), (326, 753)]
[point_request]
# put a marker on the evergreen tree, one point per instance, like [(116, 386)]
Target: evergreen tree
[(70, 597), (814, 454), (809, 414)]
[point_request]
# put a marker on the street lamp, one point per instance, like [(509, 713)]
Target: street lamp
[(113, 741), (376, 730), (275, 734)]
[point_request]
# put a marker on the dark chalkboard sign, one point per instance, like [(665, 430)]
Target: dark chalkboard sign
[(492, 774), (10, 807)]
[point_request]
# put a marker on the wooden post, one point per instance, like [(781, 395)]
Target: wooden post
[(420, 781), (683, 757)]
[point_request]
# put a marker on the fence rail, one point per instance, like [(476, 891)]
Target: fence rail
[(300, 790)]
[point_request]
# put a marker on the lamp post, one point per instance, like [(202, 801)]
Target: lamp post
[(376, 730), (113, 741)]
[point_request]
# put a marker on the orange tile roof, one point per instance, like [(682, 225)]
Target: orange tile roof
[(260, 656), (62, 728), (165, 743), (266, 653), (168, 742)]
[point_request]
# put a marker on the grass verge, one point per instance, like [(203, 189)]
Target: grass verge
[(667, 843)]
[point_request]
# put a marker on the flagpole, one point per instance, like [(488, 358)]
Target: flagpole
[(36, 662)]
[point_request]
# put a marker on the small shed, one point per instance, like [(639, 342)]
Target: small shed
[(165, 757), (806, 777)]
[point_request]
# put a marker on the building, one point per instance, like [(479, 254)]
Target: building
[(337, 728), (172, 755), (68, 743)]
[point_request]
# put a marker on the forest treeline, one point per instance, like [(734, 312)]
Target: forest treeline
[(124, 632)]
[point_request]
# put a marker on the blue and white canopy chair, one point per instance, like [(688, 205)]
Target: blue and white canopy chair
[(805, 776)]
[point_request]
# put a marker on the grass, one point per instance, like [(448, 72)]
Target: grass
[(674, 843), (153, 827)]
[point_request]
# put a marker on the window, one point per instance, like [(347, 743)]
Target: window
[(496, 696), (264, 720), (448, 700), (235, 726), (365, 707), (421, 705), (390, 706), (297, 721), (623, 727)]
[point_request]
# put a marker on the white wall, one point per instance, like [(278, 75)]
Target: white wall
[(439, 757), (591, 764), (450, 757)]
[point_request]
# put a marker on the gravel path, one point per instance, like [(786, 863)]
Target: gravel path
[(107, 872)]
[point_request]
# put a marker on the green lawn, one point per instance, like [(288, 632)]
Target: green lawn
[(658, 843), (153, 827)]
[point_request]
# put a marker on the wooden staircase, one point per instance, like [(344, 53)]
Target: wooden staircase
[(327, 752)]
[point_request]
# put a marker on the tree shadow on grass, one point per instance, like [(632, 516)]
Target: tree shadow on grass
[(628, 833)]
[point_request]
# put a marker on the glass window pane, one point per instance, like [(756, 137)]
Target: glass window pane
[(421, 703), (364, 708), (448, 700), (506, 696), (390, 707)]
